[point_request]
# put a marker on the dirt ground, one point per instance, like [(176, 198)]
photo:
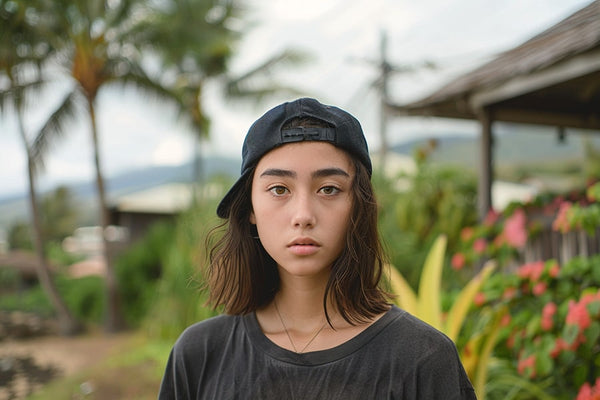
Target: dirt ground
[(49, 357)]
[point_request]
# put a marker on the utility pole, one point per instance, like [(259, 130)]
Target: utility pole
[(385, 70)]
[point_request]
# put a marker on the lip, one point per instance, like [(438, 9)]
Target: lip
[(303, 246)]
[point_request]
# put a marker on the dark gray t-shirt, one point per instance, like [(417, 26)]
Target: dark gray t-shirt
[(397, 357)]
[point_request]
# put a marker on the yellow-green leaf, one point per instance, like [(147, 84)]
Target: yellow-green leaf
[(430, 285), (464, 299), (407, 299)]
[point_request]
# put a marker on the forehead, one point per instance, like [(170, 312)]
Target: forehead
[(310, 155)]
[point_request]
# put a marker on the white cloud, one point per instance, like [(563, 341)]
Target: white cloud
[(172, 151)]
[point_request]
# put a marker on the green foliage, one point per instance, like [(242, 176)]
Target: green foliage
[(139, 269), (549, 342), (58, 214), (554, 325), (83, 296), (19, 236), (58, 256), (440, 200), (179, 302)]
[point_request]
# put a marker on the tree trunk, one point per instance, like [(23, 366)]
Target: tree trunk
[(114, 321), (67, 324)]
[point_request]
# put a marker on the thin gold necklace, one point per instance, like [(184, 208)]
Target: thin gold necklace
[(288, 333)]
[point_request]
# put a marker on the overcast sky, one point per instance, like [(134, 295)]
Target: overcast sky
[(341, 36)]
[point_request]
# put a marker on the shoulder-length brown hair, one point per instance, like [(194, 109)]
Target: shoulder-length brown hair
[(242, 277)]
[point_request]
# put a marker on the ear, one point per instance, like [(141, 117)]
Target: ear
[(252, 218)]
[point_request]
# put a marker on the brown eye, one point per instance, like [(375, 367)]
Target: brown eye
[(329, 190), (278, 190)]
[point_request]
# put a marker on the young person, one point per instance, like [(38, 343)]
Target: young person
[(298, 272)]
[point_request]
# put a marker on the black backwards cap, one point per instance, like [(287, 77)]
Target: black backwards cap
[(266, 134)]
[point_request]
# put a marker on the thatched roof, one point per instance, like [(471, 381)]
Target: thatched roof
[(552, 78)]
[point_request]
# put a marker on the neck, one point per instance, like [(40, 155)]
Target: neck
[(302, 301)]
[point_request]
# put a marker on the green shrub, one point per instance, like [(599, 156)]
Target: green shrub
[(140, 268), (84, 297), (437, 201), (179, 302)]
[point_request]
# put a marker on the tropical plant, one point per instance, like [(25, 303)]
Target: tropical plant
[(22, 52), (549, 338), (194, 40), (94, 49), (434, 200), (426, 304), (553, 329)]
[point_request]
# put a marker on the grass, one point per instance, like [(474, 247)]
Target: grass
[(134, 371)]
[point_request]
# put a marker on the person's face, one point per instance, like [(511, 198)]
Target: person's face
[(301, 201)]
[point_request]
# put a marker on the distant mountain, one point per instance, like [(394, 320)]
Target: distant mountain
[(15, 207), (514, 146)]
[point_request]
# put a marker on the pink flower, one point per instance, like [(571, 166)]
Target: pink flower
[(527, 363), (479, 299), (466, 233), (491, 218), (514, 229), (479, 245), (587, 392), (547, 316), (549, 309), (532, 271), (554, 270), (559, 346), (539, 288), (561, 222), (458, 261), (509, 293), (578, 315)]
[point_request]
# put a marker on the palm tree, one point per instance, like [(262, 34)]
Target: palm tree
[(20, 59), (100, 43), (194, 40), (95, 49)]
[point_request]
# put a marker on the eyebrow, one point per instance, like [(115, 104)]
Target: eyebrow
[(321, 173)]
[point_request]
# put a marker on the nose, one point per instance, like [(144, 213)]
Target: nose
[(303, 212)]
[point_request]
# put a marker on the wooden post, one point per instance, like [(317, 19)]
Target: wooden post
[(486, 167)]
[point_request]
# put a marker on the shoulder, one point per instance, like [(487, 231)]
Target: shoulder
[(206, 333), (416, 337)]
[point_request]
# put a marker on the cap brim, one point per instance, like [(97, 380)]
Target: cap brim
[(224, 206)]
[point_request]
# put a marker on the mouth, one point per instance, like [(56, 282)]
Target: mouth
[(303, 246), (303, 242)]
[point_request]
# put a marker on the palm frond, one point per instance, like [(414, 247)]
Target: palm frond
[(287, 57), (55, 127), (258, 83)]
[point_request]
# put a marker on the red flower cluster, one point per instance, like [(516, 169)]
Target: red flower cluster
[(548, 316), (587, 392), (561, 223), (578, 311), (527, 365), (532, 271), (515, 232)]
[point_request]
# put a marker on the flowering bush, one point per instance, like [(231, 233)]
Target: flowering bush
[(503, 236), (550, 336), (553, 325)]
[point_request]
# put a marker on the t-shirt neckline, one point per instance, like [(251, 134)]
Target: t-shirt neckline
[(265, 345)]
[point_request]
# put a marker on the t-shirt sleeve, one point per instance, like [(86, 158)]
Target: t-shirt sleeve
[(442, 376), (174, 385)]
